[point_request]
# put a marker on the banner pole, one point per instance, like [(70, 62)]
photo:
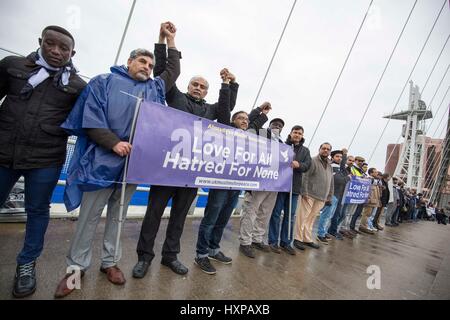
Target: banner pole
[(290, 201), (290, 213), (124, 178)]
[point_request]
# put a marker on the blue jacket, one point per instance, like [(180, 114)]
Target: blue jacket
[(103, 105)]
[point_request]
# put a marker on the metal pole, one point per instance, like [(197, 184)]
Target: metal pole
[(124, 184), (274, 54), (290, 213), (290, 200), (124, 32)]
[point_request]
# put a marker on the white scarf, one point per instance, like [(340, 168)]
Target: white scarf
[(43, 74)]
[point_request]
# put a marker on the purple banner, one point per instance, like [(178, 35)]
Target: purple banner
[(357, 190), (175, 148)]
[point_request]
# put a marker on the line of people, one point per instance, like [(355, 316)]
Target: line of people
[(45, 101)]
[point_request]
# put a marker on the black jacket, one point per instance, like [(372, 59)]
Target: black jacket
[(341, 177), (385, 193), (252, 117), (30, 133), (256, 120), (303, 156), (184, 102)]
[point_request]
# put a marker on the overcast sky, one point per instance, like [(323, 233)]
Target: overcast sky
[(242, 35)]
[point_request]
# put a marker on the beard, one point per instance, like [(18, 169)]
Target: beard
[(141, 76)]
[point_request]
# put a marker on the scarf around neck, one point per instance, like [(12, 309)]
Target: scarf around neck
[(60, 78)]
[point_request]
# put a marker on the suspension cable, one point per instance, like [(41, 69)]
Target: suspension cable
[(274, 54), (406, 82), (340, 74), (381, 77)]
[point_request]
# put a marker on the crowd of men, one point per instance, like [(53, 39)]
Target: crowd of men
[(45, 101)]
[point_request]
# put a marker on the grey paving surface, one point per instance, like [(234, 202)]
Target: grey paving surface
[(414, 260)]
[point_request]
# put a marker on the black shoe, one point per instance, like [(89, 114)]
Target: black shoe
[(288, 250), (338, 236), (25, 280), (261, 246), (247, 250), (299, 245), (140, 269), (176, 266), (205, 265), (221, 258), (322, 240), (328, 237), (275, 248), (312, 245)]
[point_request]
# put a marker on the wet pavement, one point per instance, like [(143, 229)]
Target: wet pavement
[(414, 261)]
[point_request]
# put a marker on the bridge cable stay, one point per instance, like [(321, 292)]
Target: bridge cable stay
[(340, 74), (432, 177), (274, 53), (432, 159), (381, 77), (431, 162), (406, 82), (437, 89)]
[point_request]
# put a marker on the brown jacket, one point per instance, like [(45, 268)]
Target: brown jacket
[(374, 200)]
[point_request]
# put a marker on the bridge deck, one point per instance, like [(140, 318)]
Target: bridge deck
[(414, 260)]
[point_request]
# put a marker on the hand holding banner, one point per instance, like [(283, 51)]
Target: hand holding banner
[(357, 190), (175, 148)]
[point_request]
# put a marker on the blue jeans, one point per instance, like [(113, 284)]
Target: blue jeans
[(371, 218), (394, 219), (219, 208), (416, 211), (337, 218), (282, 204), (344, 209), (39, 185), (325, 216)]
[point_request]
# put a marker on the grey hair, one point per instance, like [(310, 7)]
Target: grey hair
[(140, 52), (324, 144), (199, 77)]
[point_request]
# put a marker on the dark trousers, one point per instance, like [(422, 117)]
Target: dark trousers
[(282, 204), (356, 215), (441, 218), (402, 215), (39, 186), (376, 219), (158, 199), (217, 213), (337, 218), (395, 216)]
